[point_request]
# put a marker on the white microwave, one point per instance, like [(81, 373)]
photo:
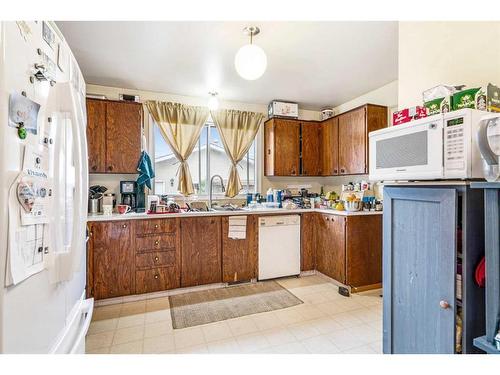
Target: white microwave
[(439, 147)]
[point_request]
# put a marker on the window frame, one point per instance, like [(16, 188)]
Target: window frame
[(210, 124)]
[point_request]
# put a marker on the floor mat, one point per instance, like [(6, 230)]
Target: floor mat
[(208, 306)]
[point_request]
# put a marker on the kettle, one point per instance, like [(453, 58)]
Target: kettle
[(488, 141)]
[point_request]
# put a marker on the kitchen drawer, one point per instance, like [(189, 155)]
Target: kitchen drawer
[(154, 226), (165, 241), (156, 279), (155, 259)]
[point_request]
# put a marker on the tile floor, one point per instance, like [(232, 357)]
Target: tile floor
[(325, 323)]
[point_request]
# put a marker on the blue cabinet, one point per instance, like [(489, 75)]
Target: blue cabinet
[(430, 235)]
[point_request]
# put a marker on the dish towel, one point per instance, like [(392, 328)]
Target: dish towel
[(237, 227), (145, 169)]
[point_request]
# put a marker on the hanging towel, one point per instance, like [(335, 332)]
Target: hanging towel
[(145, 169), (237, 227)]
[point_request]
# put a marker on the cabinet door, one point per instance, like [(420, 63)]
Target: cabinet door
[(419, 270), (96, 135), (308, 242), (329, 147), (363, 250), (239, 256), (336, 248), (113, 259), (311, 162), (269, 148), (286, 142), (330, 257), (123, 137), (200, 251), (352, 142)]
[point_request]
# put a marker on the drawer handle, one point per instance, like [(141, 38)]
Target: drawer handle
[(157, 242), (157, 276), (444, 304), (156, 226), (157, 259)]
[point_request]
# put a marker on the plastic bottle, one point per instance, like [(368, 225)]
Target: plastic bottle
[(270, 195)]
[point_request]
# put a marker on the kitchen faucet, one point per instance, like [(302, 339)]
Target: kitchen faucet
[(210, 189)]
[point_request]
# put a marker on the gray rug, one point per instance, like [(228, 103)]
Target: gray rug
[(208, 306)]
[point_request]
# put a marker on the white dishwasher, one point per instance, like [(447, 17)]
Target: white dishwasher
[(279, 246)]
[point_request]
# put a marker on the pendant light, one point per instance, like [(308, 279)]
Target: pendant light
[(250, 60), (213, 102)]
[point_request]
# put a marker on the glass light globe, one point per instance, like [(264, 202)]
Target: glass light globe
[(213, 103), (250, 62)]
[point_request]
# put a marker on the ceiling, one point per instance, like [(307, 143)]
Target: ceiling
[(313, 63)]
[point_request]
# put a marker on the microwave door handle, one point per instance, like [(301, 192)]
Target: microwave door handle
[(482, 141)]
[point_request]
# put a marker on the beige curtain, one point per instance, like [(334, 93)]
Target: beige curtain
[(180, 126), (237, 130)]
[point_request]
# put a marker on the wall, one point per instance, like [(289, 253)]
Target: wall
[(433, 53)]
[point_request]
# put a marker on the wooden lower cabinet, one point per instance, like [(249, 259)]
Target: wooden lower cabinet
[(201, 251), (111, 259), (349, 249), (131, 257), (143, 256), (158, 255), (331, 247), (239, 256), (308, 243), (363, 250)]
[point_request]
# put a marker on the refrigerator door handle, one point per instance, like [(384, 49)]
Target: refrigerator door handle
[(87, 310)]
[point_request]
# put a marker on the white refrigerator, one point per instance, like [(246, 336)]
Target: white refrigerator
[(43, 187)]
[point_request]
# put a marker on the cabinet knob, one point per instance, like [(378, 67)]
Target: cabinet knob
[(124, 225), (94, 167), (444, 304), (110, 168), (157, 276), (157, 259), (335, 171), (157, 242), (327, 218), (342, 170), (156, 226)]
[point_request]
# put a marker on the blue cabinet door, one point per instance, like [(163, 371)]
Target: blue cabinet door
[(419, 269)]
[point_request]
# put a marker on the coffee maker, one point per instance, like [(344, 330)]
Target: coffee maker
[(132, 195), (128, 192)]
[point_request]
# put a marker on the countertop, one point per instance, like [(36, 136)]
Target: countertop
[(272, 211)]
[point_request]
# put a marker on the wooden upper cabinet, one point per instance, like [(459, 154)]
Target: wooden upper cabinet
[(311, 161), (329, 147), (282, 147), (200, 251), (96, 135), (113, 136), (354, 127), (123, 136), (112, 259)]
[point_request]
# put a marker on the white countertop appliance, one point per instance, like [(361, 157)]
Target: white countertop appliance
[(279, 246), (44, 187), (439, 147)]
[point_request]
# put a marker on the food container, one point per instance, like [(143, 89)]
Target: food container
[(279, 108), (352, 206), (439, 105), (485, 98), (408, 114)]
